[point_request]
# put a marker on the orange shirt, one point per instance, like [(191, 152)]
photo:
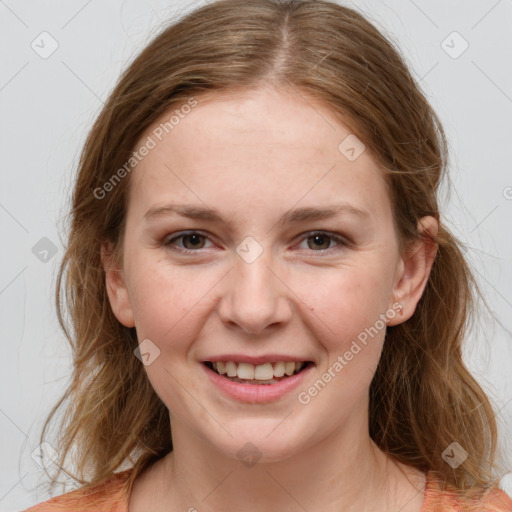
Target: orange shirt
[(111, 496)]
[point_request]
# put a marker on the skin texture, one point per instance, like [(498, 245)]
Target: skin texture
[(253, 156)]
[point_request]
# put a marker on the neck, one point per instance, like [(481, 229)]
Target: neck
[(345, 471)]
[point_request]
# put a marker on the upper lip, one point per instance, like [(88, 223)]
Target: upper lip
[(255, 360)]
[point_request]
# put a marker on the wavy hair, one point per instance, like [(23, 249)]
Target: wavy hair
[(422, 397)]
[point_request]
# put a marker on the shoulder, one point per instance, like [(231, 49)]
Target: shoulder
[(477, 500), (107, 496)]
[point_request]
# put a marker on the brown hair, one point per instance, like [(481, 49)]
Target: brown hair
[(422, 397)]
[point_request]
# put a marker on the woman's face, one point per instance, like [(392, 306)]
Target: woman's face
[(243, 275)]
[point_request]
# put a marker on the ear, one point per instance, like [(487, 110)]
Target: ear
[(414, 270), (117, 290)]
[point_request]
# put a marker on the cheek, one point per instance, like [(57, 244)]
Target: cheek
[(345, 301), (166, 299), (349, 320), (350, 324)]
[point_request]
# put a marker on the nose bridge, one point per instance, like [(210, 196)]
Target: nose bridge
[(256, 297)]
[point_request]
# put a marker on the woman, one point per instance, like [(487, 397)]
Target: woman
[(267, 307)]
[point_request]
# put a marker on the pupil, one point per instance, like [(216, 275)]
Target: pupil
[(319, 237), (194, 237)]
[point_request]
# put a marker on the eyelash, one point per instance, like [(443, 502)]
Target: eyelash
[(341, 242)]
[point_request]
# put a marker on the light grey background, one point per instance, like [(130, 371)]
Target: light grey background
[(47, 105)]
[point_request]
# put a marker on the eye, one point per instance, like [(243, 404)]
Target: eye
[(320, 239), (194, 238)]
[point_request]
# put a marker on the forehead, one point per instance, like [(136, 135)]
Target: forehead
[(255, 148)]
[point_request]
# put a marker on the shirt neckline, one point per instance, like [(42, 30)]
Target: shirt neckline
[(427, 491), (124, 498)]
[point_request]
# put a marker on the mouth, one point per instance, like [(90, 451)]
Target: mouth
[(262, 374)]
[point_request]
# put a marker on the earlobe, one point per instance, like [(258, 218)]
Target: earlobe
[(415, 267), (117, 290)]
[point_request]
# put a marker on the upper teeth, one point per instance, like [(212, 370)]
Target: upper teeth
[(265, 371)]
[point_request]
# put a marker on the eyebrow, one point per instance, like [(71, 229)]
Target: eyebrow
[(297, 215)]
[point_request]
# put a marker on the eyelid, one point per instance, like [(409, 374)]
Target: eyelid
[(341, 241)]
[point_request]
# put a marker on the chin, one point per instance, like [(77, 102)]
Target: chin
[(260, 444)]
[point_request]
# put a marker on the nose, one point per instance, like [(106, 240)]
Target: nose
[(255, 297)]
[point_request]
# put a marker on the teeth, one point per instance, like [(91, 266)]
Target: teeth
[(245, 371), (263, 372), (220, 367), (279, 369), (231, 369), (289, 368)]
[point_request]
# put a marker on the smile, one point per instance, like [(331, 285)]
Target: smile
[(267, 373), (266, 382)]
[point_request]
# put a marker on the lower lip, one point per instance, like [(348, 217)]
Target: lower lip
[(256, 393)]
